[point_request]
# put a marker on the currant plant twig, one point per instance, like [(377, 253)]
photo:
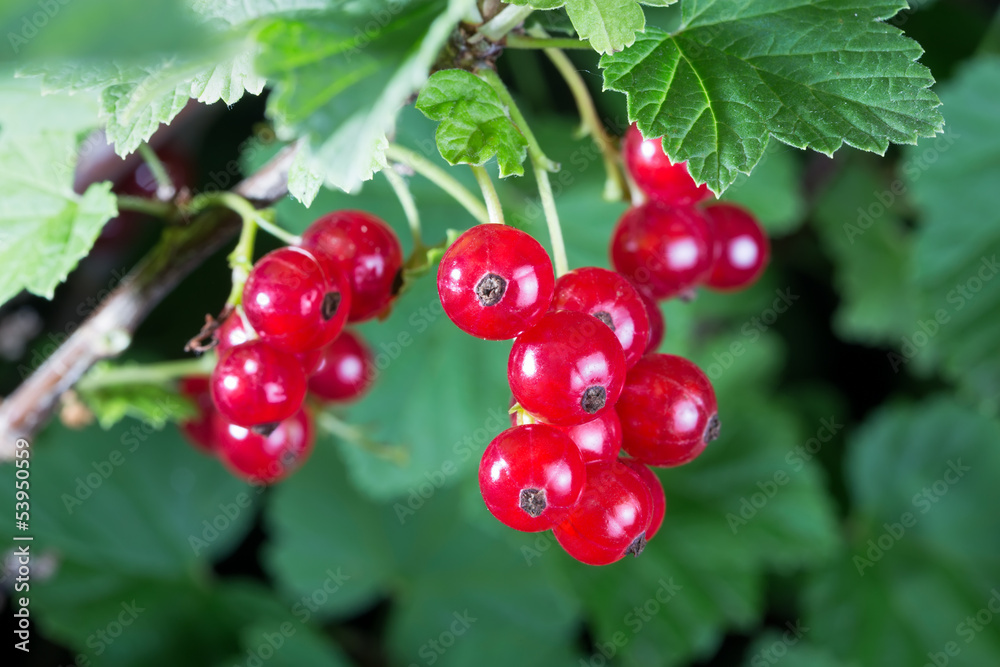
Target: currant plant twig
[(489, 194), (159, 373), (529, 42), (165, 188), (405, 197), (439, 177), (154, 207), (246, 210), (509, 18), (541, 165), (356, 436), (241, 261)]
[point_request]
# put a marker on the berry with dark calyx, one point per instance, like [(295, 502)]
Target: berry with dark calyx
[(611, 518), (742, 250), (366, 250), (659, 508), (345, 371), (567, 369), (609, 297), (656, 175), (663, 250), (668, 411), (599, 439), (198, 429), (234, 331), (495, 281), (531, 477), (255, 384), (265, 459), (293, 303), (657, 325)]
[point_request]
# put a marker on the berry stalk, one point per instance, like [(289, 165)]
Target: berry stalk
[(159, 373), (489, 194), (405, 197), (165, 188), (440, 178)]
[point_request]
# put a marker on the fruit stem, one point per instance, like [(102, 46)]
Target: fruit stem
[(509, 18), (615, 186), (489, 194), (405, 197), (356, 436), (525, 42), (160, 373), (439, 177), (165, 188), (246, 211), (541, 165), (154, 207), (241, 261)]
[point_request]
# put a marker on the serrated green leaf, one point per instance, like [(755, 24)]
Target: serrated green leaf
[(918, 477), (474, 125), (609, 25), (810, 74), (150, 403)]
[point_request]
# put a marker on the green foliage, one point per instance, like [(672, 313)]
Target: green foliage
[(609, 25)]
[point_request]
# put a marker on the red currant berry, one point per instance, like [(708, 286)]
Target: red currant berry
[(741, 247), (610, 298), (566, 369), (234, 331), (599, 439), (668, 411), (345, 371), (531, 477), (656, 175), (659, 507), (255, 384), (611, 518), (495, 281), (292, 303), (366, 250), (198, 429), (657, 326), (261, 459), (664, 250)]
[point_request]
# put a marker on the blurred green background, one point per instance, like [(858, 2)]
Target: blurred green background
[(847, 516)]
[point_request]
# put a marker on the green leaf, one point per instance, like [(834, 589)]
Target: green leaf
[(790, 646), (919, 477), (151, 403), (474, 123), (609, 25), (340, 82), (45, 227), (734, 74)]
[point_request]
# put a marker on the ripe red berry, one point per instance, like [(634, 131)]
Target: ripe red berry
[(741, 247), (198, 429), (656, 175), (668, 411), (495, 281), (346, 369), (609, 297), (659, 507), (566, 369), (664, 250), (531, 477), (599, 439), (292, 303), (255, 384), (261, 459), (234, 331), (611, 518), (657, 326), (366, 250)]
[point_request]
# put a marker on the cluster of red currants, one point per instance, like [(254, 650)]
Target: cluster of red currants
[(288, 337)]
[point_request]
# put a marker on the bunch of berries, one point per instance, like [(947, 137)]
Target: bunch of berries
[(288, 337)]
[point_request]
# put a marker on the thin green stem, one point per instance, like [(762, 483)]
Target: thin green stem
[(489, 194), (615, 187), (509, 18), (441, 178), (241, 261), (165, 188), (356, 436), (245, 210), (405, 197), (541, 165), (159, 373), (526, 42), (154, 207)]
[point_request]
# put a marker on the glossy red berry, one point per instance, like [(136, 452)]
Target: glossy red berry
[(495, 281), (664, 250), (293, 303), (599, 439), (667, 410), (609, 297), (657, 325), (346, 369), (656, 175), (566, 369), (659, 507), (742, 250), (611, 518), (234, 331), (255, 384), (198, 429), (366, 250), (531, 477), (265, 459)]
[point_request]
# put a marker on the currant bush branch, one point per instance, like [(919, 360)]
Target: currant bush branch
[(530, 42), (509, 18)]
